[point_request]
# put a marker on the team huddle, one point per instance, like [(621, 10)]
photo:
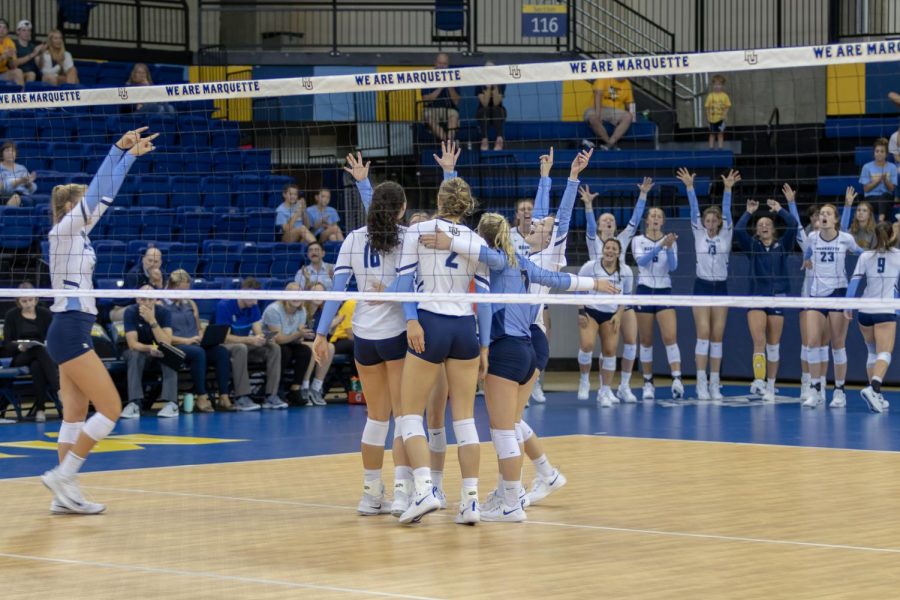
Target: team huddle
[(415, 357)]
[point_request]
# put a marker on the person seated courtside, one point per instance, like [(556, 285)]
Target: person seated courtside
[(287, 320)]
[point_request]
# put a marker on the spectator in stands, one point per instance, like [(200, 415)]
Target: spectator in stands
[(147, 325), (863, 226), (186, 336), (27, 52), (140, 75), (894, 146), (246, 341), (879, 178), (15, 178), (140, 273), (24, 332), (315, 392), (291, 217), (8, 70), (439, 105), (286, 319), (717, 104), (613, 103), (323, 219), (491, 112), (317, 271), (56, 62)]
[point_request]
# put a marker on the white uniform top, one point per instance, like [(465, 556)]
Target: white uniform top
[(829, 260), (622, 279), (712, 253), (656, 274), (882, 271), (443, 271), (551, 258), (802, 240), (371, 321), (518, 240), (595, 244)]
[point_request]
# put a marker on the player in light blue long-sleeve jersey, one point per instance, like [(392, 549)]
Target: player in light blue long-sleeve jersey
[(82, 376)]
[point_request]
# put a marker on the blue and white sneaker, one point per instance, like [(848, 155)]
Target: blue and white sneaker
[(439, 494), (422, 504), (500, 512), (873, 400), (542, 487), (469, 512), (372, 502)]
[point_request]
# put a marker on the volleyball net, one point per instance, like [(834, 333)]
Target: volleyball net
[(236, 159)]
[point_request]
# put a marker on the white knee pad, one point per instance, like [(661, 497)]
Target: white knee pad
[(629, 351), (98, 427), (885, 356), (412, 426), (609, 363), (437, 439), (375, 432), (715, 350), (702, 347), (398, 433), (465, 432), (804, 353), (647, 354), (525, 429), (773, 352), (520, 436), (822, 354), (585, 358), (840, 356), (505, 443), (673, 354), (69, 432)]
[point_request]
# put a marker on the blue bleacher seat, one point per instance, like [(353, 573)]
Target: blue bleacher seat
[(193, 131), (185, 191), (277, 283), (183, 256), (111, 256), (219, 258), (331, 251), (163, 74), (68, 157), (836, 185), (860, 127), (87, 71), (504, 188), (625, 159), (215, 191), (92, 129), (18, 228), (34, 155), (261, 226), (9, 87), (225, 134), (571, 130), (55, 126), (167, 128), (249, 191), (231, 226), (20, 125), (228, 163), (157, 224), (255, 261), (864, 154), (199, 162), (204, 108), (119, 223), (114, 74), (287, 259), (94, 156), (256, 161), (169, 163), (153, 191)]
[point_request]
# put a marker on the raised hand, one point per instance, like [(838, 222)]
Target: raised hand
[(449, 154), (732, 178), (774, 205), (686, 177), (789, 193), (752, 205), (586, 196), (144, 145), (580, 163), (546, 163), (357, 169), (130, 138), (849, 195), (669, 240), (645, 186), (437, 240)]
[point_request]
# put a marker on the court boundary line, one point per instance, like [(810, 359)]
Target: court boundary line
[(655, 532), (209, 575), (757, 444)]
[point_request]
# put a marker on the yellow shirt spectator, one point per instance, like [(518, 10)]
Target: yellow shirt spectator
[(717, 105), (617, 93), (342, 330), (6, 45)]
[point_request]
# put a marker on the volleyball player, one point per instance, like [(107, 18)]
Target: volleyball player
[(82, 376), (712, 245), (443, 333), (598, 232), (880, 267), (826, 256), (768, 277), (656, 254), (606, 317)]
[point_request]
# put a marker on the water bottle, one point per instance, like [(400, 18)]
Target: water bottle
[(188, 403)]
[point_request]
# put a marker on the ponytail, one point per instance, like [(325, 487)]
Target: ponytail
[(884, 237), (494, 228), (63, 194)]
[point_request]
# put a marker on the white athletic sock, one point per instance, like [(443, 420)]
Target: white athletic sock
[(676, 374), (604, 388), (469, 488), (714, 378), (70, 465), (583, 377), (511, 492), (626, 378), (770, 385), (437, 479), (372, 474), (422, 476), (305, 384), (317, 384), (804, 378), (403, 473), (543, 466)]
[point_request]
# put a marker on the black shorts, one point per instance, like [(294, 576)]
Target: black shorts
[(717, 127), (541, 347), (69, 335), (374, 352), (512, 358), (870, 319), (643, 290), (448, 337), (599, 316)]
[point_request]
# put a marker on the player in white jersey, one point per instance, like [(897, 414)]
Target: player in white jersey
[(826, 256), (82, 376), (656, 254), (443, 332), (712, 231), (597, 234), (379, 337), (604, 318), (524, 210), (880, 267)]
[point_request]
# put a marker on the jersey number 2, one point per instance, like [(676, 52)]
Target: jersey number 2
[(451, 263)]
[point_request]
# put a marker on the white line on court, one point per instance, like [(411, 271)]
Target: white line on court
[(207, 575)]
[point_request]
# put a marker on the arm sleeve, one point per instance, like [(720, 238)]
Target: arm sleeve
[(672, 257), (801, 234), (636, 215), (593, 242), (845, 217), (330, 309), (695, 207), (645, 258), (483, 310), (856, 279), (627, 279), (726, 210), (744, 239), (564, 214), (542, 199), (100, 193), (364, 188), (406, 271), (494, 259), (449, 175), (556, 280)]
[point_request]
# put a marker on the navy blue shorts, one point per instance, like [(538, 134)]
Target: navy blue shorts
[(448, 337), (374, 352), (717, 127), (702, 287), (541, 347), (643, 290), (838, 293), (599, 316), (512, 358), (869, 320), (69, 335), (771, 312)]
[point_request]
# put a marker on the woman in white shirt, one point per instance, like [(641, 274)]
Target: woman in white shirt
[(56, 63)]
